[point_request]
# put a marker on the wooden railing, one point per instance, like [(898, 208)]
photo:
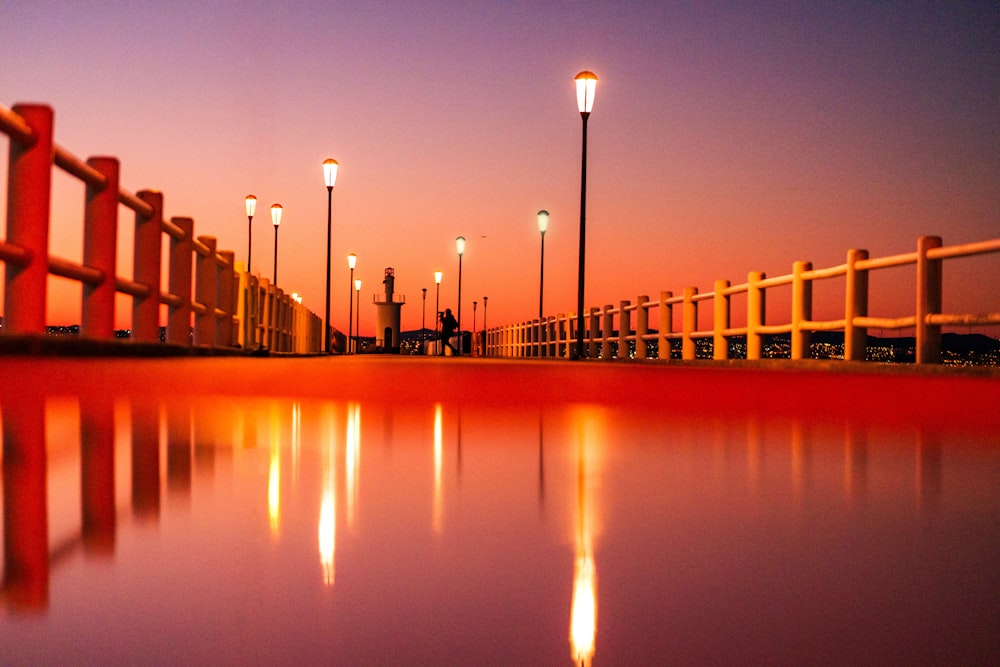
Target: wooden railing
[(612, 334), (230, 308)]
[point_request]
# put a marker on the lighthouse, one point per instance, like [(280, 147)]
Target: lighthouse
[(387, 307)]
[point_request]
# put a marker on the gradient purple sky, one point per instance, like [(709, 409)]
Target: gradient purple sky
[(725, 138)]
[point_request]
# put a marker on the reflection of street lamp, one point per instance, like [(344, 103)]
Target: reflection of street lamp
[(543, 224), (276, 212), (586, 85), (460, 246), (251, 204), (330, 178), (437, 307), (423, 321), (357, 316), (352, 260)]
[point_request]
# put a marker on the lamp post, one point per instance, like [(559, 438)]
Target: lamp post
[(352, 260), (474, 346), (460, 246), (437, 307), (330, 178), (423, 320), (276, 212), (543, 224), (357, 315), (251, 203), (586, 85), (485, 298)]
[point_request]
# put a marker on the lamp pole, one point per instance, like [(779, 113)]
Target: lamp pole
[(357, 315), (460, 246), (423, 320), (485, 349), (586, 84), (251, 205), (437, 308), (330, 178), (543, 224), (352, 260), (475, 348), (276, 212)]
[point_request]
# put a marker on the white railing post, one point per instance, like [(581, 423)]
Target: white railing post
[(179, 283), (756, 314), (689, 324), (607, 330), (856, 305), (666, 325), (225, 299), (100, 250), (562, 335), (641, 327), (929, 287), (721, 320), (624, 329), (206, 286), (29, 193), (801, 309), (593, 318), (146, 269)]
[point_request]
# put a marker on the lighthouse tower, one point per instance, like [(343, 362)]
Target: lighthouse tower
[(387, 314)]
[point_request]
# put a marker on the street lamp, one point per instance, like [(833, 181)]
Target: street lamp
[(586, 85), (330, 178), (251, 204), (423, 321), (485, 349), (460, 246), (543, 224), (357, 315), (437, 307), (276, 212), (352, 261), (474, 346)]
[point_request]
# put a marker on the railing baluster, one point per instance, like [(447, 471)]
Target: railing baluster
[(100, 248)]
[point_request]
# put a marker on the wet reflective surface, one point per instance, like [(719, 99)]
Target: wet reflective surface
[(264, 530)]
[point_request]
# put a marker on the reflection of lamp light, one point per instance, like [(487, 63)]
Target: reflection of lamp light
[(328, 505), (352, 457), (583, 621), (274, 476), (438, 456), (583, 614)]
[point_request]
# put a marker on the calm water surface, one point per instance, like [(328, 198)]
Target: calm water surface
[(271, 531)]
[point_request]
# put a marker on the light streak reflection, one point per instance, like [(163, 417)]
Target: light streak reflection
[(274, 474), (438, 519), (352, 457), (583, 614), (328, 502)]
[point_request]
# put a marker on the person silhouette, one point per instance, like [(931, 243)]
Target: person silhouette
[(448, 327)]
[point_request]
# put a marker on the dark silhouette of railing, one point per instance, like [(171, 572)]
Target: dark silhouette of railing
[(230, 307), (611, 327)]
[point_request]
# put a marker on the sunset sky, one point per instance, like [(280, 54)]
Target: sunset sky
[(725, 138)]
